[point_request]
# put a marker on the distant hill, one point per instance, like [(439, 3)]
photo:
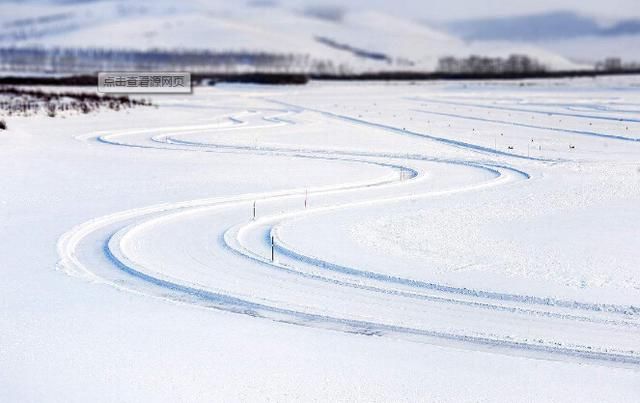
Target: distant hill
[(353, 40)]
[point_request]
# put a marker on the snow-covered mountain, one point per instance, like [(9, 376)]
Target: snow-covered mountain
[(360, 39)]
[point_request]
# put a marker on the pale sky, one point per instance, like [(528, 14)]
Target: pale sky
[(461, 9), (439, 10)]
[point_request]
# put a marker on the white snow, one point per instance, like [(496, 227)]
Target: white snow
[(426, 249)]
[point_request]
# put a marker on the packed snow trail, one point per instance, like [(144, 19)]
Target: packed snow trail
[(530, 111), (211, 253), (529, 126)]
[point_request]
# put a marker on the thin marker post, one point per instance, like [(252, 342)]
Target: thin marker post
[(272, 249)]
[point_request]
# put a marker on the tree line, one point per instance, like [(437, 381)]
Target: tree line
[(474, 64), (83, 61)]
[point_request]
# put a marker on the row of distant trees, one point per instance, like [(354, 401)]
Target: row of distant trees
[(514, 64), (71, 60), (614, 64), (88, 61)]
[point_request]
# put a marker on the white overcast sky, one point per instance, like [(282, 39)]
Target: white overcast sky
[(437, 10), (461, 9)]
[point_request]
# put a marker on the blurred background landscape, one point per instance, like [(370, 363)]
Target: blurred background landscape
[(318, 37)]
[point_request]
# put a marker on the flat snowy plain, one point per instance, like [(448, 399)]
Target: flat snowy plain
[(448, 241)]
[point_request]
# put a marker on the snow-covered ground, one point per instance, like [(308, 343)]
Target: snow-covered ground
[(449, 241)]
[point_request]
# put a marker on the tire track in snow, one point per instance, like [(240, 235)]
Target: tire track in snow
[(529, 126), (527, 110), (442, 140), (70, 242), (133, 266)]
